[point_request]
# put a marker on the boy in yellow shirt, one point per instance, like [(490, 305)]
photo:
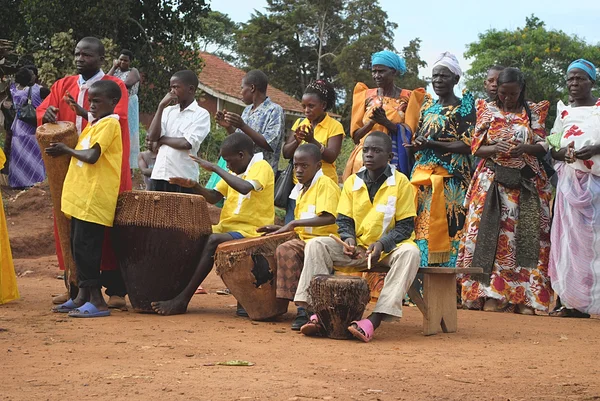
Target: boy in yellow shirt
[(90, 194), (248, 190), (376, 212), (316, 197)]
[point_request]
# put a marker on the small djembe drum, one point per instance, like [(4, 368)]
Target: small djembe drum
[(56, 169), (249, 269), (158, 238), (337, 301)]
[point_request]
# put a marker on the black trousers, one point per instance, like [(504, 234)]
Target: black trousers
[(165, 186), (113, 281), (86, 246)]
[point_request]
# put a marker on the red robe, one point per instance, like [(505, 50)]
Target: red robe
[(65, 113)]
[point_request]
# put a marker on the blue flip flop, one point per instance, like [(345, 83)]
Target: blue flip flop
[(65, 308), (88, 310)]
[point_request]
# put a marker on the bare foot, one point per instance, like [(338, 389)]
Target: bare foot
[(171, 307)]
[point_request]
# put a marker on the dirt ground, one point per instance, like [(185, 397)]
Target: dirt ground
[(130, 356)]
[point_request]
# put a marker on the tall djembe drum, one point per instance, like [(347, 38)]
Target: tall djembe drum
[(158, 238), (56, 169)]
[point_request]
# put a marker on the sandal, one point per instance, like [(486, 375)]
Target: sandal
[(362, 329), (312, 328), (224, 291), (200, 291), (88, 310), (563, 311), (65, 307)]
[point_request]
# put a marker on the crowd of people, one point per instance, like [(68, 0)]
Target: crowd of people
[(452, 182)]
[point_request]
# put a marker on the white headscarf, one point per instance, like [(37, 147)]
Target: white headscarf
[(449, 61)]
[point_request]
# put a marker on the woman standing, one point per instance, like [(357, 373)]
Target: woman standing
[(131, 77), (574, 258), (26, 166), (386, 108), (507, 231), (8, 280), (442, 170)]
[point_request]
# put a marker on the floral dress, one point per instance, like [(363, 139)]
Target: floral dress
[(438, 229), (509, 283)]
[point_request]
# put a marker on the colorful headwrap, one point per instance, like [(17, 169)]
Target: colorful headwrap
[(389, 59), (584, 65), (449, 61)]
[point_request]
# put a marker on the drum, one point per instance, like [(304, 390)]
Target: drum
[(56, 169), (158, 238), (337, 301), (249, 269)]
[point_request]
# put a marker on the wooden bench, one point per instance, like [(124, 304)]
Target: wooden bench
[(438, 303)]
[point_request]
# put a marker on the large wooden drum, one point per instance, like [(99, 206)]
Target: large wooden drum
[(249, 269), (158, 238), (56, 169), (337, 301)]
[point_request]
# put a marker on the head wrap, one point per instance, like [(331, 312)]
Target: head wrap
[(389, 59), (449, 61), (584, 65)]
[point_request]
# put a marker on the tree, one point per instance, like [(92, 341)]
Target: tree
[(543, 55), (217, 35)]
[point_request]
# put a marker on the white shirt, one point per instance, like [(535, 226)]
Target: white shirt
[(193, 124)]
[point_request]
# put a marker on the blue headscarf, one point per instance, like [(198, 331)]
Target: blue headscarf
[(389, 59), (584, 65)]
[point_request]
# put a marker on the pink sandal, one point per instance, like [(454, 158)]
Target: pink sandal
[(362, 329), (312, 328)]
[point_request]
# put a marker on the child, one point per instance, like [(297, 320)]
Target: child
[(178, 130), (146, 161), (248, 190), (90, 194), (8, 281), (376, 211), (316, 198)]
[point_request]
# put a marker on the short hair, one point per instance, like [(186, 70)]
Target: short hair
[(387, 141), (108, 88), (238, 142), (310, 149), (33, 69), (324, 91), (23, 76), (188, 77), (496, 68), (97, 43), (258, 79), (127, 53)]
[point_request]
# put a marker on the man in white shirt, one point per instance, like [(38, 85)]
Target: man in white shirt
[(179, 127)]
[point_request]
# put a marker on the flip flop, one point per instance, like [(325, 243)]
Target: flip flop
[(200, 291), (312, 328), (88, 310), (563, 311), (224, 292), (65, 308), (363, 331)]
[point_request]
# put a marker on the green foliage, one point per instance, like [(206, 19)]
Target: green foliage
[(217, 34), (543, 55)]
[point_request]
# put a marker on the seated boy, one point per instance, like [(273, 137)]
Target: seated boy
[(146, 161), (178, 128), (317, 199), (376, 211), (90, 194), (248, 192)]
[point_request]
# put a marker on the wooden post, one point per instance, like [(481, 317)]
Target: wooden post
[(439, 291)]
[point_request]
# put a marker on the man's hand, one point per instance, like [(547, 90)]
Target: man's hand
[(268, 229), (50, 115), (206, 165), (235, 120), (351, 249), (80, 111), (182, 182), (220, 119), (374, 251), (57, 149), (587, 152), (169, 99)]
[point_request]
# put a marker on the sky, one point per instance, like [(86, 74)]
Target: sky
[(450, 26)]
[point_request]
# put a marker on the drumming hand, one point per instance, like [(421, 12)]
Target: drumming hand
[(234, 120), (50, 115), (80, 111), (208, 166), (375, 250), (587, 152), (268, 229), (57, 149), (350, 250), (182, 182), (285, 229)]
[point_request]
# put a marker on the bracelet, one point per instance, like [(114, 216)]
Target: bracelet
[(322, 148)]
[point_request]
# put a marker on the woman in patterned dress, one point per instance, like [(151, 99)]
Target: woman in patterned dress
[(442, 170), (507, 231)]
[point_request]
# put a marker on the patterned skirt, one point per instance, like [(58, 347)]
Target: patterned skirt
[(26, 167)]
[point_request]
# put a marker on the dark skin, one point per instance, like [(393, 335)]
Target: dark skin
[(88, 60), (491, 83), (232, 121), (236, 162), (384, 79), (144, 159), (305, 167), (124, 64), (580, 87), (100, 106), (443, 81), (314, 110), (508, 96), (181, 94)]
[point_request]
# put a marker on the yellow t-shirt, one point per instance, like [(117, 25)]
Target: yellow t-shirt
[(328, 128), (90, 191), (322, 196), (245, 213), (393, 202)]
